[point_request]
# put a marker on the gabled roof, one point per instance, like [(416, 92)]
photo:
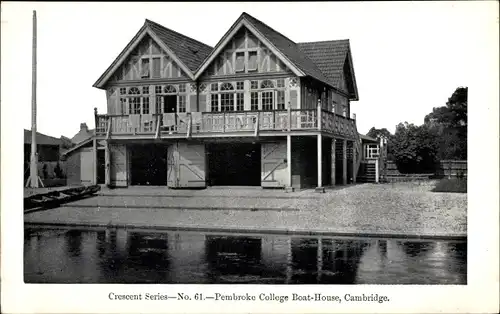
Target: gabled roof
[(289, 48), (368, 138), (188, 52), (41, 139), (307, 62), (78, 146), (329, 56), (324, 61)]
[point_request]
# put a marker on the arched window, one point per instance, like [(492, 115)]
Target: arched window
[(226, 86), (169, 89), (266, 84), (134, 91)]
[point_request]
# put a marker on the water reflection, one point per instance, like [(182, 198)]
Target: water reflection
[(133, 256)]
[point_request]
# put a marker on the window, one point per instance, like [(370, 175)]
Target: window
[(134, 91), (239, 102), (280, 100), (123, 106), (158, 89), (226, 86), (169, 89), (227, 102), (254, 84), (214, 87), (252, 60), (156, 68), (240, 62), (280, 83), (145, 68), (160, 104), (123, 91), (214, 102), (267, 84), (254, 101), (145, 105), (182, 88), (145, 90), (267, 100), (239, 85), (135, 105), (182, 103)]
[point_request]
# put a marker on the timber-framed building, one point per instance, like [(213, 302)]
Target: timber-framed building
[(257, 110)]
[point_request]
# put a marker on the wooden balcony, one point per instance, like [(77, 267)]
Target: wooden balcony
[(241, 123)]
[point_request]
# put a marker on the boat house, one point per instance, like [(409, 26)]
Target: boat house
[(257, 109)]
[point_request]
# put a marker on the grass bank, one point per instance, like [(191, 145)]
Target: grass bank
[(453, 185)]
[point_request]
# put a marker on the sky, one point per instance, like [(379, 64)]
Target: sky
[(408, 56)]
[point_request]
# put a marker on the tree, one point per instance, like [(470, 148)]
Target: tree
[(415, 148), (450, 123), (377, 133)]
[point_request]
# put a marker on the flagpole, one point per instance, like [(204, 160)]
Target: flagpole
[(34, 156)]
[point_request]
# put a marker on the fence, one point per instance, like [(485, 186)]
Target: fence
[(452, 168), (445, 168)]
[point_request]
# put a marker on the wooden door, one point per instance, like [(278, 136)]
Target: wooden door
[(186, 165), (86, 167), (192, 166), (274, 165), (118, 164), (172, 166)]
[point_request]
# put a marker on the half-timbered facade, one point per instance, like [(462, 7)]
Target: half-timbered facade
[(256, 109)]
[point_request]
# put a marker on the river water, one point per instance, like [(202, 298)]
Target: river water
[(110, 255)]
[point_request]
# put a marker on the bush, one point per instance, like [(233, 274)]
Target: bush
[(415, 148), (453, 185)]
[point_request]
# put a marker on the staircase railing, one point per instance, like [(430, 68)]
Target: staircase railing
[(358, 148)]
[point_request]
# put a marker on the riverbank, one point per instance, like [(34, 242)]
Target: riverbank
[(398, 210)]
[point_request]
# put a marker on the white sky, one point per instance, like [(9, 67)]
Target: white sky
[(408, 56)]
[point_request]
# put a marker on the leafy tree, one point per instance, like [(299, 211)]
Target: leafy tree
[(377, 133), (450, 123), (415, 148)]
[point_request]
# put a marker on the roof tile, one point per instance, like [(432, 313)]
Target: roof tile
[(190, 51), (290, 49), (329, 56)]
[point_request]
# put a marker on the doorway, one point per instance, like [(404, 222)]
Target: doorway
[(170, 103), (237, 164), (148, 164), (101, 166)]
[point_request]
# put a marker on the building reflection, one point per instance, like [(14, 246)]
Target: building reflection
[(416, 249), (133, 256), (74, 242), (231, 258)]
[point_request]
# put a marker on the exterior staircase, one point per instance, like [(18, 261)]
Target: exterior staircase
[(367, 172)]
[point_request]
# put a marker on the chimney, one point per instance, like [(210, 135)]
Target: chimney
[(84, 127)]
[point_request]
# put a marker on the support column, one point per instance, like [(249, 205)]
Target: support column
[(354, 162), (332, 174), (108, 165), (289, 161), (344, 162), (94, 143), (289, 265), (319, 260), (320, 187)]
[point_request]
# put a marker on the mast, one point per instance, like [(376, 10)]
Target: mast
[(34, 156)]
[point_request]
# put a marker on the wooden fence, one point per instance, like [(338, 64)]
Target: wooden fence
[(445, 168)]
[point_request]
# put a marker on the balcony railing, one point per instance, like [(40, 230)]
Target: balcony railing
[(225, 122)]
